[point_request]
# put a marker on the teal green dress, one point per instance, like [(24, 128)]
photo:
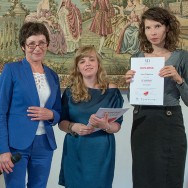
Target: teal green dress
[(88, 161)]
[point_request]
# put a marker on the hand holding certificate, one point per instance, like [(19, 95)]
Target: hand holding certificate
[(113, 114), (147, 87)]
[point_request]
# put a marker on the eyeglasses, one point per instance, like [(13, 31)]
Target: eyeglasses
[(41, 45)]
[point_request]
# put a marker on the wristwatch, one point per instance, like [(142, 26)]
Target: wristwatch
[(181, 83)]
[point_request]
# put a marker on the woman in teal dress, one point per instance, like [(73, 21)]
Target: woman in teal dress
[(88, 158)]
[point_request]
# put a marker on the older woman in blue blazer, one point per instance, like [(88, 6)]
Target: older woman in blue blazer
[(29, 108)]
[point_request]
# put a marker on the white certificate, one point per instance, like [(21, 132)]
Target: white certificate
[(147, 87)]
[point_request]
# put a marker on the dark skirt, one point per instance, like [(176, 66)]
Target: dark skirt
[(159, 146)]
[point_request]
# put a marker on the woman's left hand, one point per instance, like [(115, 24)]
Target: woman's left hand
[(170, 71), (96, 122), (39, 113)]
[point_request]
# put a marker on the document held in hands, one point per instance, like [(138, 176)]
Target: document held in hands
[(113, 114), (147, 87)]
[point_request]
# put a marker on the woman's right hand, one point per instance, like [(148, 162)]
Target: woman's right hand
[(129, 75), (82, 129), (6, 164)]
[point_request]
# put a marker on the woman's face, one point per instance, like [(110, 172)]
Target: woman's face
[(35, 48), (155, 32), (88, 66)]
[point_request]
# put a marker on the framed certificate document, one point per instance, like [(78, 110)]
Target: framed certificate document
[(147, 87)]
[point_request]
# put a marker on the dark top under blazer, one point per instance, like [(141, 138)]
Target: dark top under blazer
[(17, 92)]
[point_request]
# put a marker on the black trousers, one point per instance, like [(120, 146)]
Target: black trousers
[(159, 145)]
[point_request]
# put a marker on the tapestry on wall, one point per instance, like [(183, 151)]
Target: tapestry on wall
[(110, 25)]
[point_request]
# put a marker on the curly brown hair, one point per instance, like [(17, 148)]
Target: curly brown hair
[(78, 89), (165, 18)]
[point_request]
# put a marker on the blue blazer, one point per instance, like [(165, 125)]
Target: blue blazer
[(17, 92)]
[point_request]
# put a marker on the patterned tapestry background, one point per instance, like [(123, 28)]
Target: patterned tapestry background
[(110, 25)]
